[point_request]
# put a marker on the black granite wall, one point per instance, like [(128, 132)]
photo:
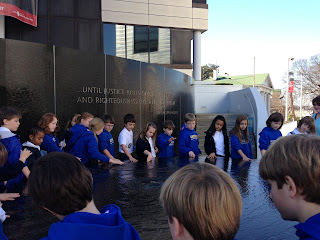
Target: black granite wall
[(37, 78)]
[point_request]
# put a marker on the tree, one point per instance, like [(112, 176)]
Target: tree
[(309, 71), (207, 71)]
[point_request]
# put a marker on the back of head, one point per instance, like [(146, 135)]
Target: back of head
[(8, 113), (129, 118), (189, 117), (275, 117), (204, 199), (96, 124), (297, 156), (60, 183)]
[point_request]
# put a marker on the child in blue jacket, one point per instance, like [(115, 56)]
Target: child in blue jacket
[(166, 141), (10, 122), (105, 139), (270, 133), (70, 199), (83, 143), (50, 124), (188, 138), (291, 166), (240, 141)]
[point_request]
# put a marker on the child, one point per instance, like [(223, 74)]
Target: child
[(105, 139), (83, 143), (145, 146), (271, 132), (240, 141), (11, 171), (49, 123), (202, 202), (97, 126), (36, 135), (125, 138), (10, 122), (67, 133), (70, 199), (305, 126), (166, 141), (216, 143), (188, 138), (316, 115), (292, 167)]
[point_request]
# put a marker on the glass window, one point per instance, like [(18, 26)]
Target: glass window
[(109, 39), (140, 39)]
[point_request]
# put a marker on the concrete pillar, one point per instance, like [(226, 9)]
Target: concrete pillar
[(197, 55), (2, 32)]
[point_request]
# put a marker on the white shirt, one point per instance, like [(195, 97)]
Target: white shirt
[(219, 142), (152, 147), (126, 138)]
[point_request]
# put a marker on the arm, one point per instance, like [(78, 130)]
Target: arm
[(235, 144), (49, 145), (125, 150), (111, 158), (209, 145), (183, 145), (26, 171), (264, 141), (93, 150)]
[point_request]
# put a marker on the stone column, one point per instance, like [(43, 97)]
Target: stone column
[(197, 55)]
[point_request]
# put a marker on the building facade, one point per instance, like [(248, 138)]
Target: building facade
[(143, 30)]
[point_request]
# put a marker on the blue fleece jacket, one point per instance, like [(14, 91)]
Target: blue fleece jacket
[(105, 141), (236, 145), (84, 145), (310, 229), (50, 143), (13, 145), (2, 235), (166, 148), (188, 141), (267, 137), (83, 226)]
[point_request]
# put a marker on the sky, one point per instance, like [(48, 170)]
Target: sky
[(269, 31)]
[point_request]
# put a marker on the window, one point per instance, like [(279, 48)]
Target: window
[(145, 38)]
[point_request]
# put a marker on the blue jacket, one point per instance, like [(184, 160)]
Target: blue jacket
[(83, 225), (267, 137), (50, 143), (2, 235), (188, 141), (166, 148), (236, 145), (13, 145), (310, 229), (105, 141), (84, 145)]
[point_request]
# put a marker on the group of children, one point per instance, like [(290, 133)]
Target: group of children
[(190, 196)]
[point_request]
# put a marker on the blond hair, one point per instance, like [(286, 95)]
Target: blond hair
[(189, 117), (204, 199), (95, 125), (297, 156)]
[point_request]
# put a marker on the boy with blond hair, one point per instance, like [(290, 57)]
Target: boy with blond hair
[(202, 202), (188, 138), (292, 167)]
